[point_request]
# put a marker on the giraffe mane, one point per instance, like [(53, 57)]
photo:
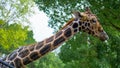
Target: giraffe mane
[(67, 23)]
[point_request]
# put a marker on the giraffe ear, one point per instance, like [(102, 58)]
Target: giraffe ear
[(77, 14)]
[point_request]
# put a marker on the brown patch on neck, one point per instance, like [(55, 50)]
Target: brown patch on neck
[(18, 63), (68, 32), (45, 49), (26, 60), (50, 39), (58, 34), (58, 41), (39, 45), (34, 55), (24, 53), (12, 56)]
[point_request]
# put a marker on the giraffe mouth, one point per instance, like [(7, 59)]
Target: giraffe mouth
[(103, 36)]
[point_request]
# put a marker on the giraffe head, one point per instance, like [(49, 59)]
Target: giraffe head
[(89, 23)]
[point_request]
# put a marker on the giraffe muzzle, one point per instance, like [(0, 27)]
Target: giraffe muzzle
[(103, 36)]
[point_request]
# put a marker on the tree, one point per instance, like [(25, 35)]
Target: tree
[(97, 54), (108, 12), (13, 34), (48, 61), (13, 14), (15, 11)]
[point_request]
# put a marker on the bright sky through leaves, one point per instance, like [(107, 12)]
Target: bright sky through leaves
[(39, 24)]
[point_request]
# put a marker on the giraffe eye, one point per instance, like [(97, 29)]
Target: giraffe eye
[(93, 20)]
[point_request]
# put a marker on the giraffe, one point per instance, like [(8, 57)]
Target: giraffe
[(82, 21)]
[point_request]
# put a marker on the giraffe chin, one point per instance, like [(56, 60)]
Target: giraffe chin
[(103, 36)]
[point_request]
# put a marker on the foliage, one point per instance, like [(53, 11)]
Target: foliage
[(59, 11), (13, 34), (48, 61), (13, 14), (15, 11), (77, 52)]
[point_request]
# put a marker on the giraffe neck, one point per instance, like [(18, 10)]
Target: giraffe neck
[(27, 54)]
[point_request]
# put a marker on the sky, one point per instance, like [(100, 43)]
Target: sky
[(39, 25)]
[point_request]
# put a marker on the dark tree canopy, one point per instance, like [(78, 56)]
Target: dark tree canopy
[(82, 50), (77, 52)]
